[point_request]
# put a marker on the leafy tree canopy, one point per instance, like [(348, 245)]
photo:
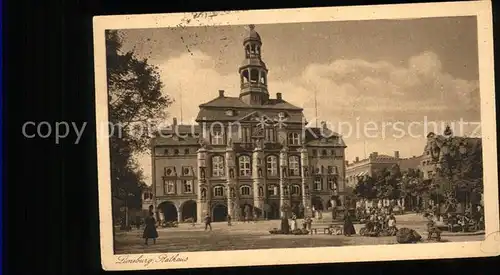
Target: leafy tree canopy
[(135, 101)]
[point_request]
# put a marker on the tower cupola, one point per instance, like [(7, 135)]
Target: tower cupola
[(253, 71)]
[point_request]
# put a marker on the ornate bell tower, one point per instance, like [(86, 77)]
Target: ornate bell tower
[(253, 71)]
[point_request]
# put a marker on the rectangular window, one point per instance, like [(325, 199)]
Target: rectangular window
[(188, 186), (332, 183), (318, 183), (217, 137), (169, 187), (294, 138), (272, 190)]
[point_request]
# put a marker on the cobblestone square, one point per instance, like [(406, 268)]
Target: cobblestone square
[(243, 236)]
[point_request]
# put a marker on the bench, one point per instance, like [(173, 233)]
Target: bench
[(327, 230)]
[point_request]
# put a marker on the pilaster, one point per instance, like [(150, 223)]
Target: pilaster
[(232, 188), (306, 181), (258, 179), (203, 191), (284, 188)]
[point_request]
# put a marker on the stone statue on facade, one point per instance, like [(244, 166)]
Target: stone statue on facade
[(202, 173), (202, 142), (230, 142)]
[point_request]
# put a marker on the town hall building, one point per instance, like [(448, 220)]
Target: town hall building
[(250, 156)]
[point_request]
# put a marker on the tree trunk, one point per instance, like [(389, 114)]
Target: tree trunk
[(285, 226)]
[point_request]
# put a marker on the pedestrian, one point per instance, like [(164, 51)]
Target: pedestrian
[(208, 222), (150, 229), (229, 220), (348, 226), (138, 222)]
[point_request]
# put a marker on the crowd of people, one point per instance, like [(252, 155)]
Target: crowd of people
[(377, 221), (471, 220)]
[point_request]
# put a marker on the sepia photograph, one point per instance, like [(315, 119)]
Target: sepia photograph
[(345, 134)]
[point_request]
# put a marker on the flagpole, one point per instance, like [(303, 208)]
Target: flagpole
[(316, 107), (180, 99)]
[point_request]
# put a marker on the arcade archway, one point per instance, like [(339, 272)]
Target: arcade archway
[(219, 213), (189, 210), (169, 211), (317, 203), (274, 211)]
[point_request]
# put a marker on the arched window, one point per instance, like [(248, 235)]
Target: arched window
[(217, 166), (295, 190), (245, 190), (294, 138), (244, 163), (263, 77), (272, 166), (272, 190), (217, 135), (254, 76), (244, 77), (218, 191), (293, 166)]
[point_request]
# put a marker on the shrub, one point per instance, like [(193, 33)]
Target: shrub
[(407, 235)]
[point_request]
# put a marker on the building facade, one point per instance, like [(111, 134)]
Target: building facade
[(250, 156), (376, 162)]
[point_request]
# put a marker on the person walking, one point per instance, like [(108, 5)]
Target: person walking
[(229, 220), (150, 229), (208, 222), (348, 226)]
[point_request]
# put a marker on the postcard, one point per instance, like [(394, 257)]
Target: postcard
[(296, 136)]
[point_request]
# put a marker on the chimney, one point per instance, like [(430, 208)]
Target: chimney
[(357, 159), (221, 93), (323, 124), (396, 154), (278, 96), (174, 121)]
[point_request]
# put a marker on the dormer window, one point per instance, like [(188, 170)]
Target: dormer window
[(229, 112)]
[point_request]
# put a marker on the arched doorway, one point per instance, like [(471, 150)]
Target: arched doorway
[(274, 211), (247, 212), (189, 210), (317, 203), (169, 211), (219, 213), (298, 208)]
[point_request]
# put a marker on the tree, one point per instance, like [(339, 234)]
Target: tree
[(366, 188), (135, 99), (459, 173)]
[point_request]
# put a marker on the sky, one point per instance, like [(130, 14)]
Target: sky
[(382, 84)]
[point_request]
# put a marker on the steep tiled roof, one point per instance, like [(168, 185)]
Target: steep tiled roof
[(314, 136), (235, 102), (215, 109)]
